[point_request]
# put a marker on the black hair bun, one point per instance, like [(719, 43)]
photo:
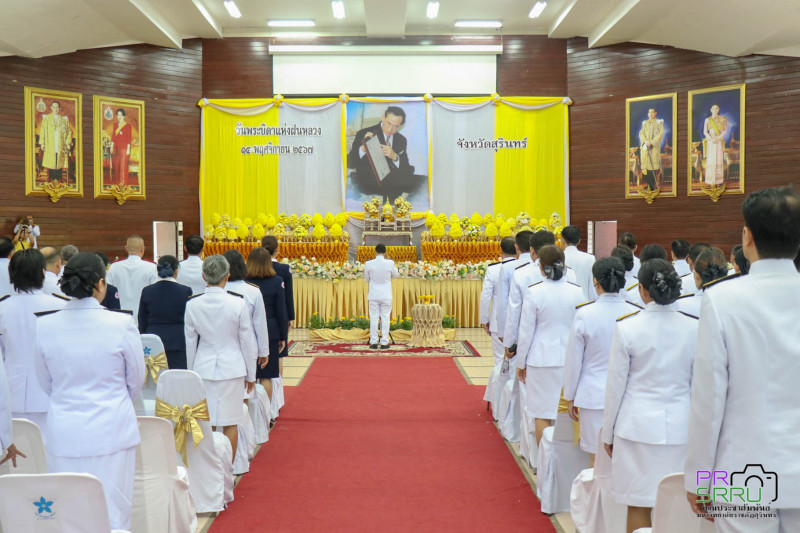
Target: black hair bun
[(666, 287)]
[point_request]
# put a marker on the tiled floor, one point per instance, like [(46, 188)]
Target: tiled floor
[(476, 371)]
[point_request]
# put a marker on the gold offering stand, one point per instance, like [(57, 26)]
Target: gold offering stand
[(427, 319)]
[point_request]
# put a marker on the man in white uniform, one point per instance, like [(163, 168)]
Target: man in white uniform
[(744, 410), (629, 239), (580, 262), (6, 251), (6, 435), (191, 268), (680, 250), (689, 285), (132, 275), (379, 273), (52, 259)]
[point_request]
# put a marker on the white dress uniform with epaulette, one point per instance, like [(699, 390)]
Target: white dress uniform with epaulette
[(93, 369), (688, 285), (130, 276), (51, 285), (637, 264), (646, 412), (631, 291), (690, 303), (490, 298), (506, 280), (586, 361), (378, 273), (6, 433), (682, 267), (6, 289), (581, 263), (190, 273), (547, 314), (221, 347), (745, 408), (258, 314), (23, 367)]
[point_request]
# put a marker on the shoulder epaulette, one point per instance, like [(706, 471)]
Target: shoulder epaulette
[(573, 283), (623, 317), (57, 295), (523, 265), (690, 315), (634, 304), (45, 313), (124, 311), (689, 274), (252, 284), (686, 295), (195, 295), (493, 264), (726, 278), (632, 286), (584, 304), (534, 284), (235, 294), (6, 297)]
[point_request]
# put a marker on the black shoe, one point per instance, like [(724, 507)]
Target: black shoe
[(384, 346), (373, 346), (272, 423)]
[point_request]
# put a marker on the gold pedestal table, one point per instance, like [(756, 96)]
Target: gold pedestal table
[(427, 319)]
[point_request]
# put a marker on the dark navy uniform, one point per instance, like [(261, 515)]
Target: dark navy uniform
[(161, 311), (273, 291), (285, 272)]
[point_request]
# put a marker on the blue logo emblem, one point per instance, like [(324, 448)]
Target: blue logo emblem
[(44, 507), (147, 350)]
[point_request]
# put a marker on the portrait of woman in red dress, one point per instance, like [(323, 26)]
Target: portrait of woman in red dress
[(120, 149)]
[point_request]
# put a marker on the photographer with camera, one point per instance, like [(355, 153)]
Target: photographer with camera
[(33, 230), (22, 238)]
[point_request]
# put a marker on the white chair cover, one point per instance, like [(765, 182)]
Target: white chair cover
[(152, 346), (489, 393), (500, 380), (71, 503), (28, 440), (210, 467), (161, 498), (509, 413), (527, 430), (672, 513), (614, 514), (246, 445), (277, 396), (260, 414), (559, 463)]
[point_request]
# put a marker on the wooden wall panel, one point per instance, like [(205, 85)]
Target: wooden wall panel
[(599, 81), (532, 65), (237, 68), (169, 82)]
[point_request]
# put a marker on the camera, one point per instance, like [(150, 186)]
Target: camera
[(755, 477)]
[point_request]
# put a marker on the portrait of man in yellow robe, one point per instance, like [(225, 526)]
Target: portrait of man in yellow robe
[(650, 137), (55, 142)]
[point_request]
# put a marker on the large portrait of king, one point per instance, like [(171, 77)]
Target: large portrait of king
[(119, 148), (650, 123), (53, 147)]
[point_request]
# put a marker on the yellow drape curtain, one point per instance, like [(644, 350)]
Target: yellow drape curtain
[(532, 179), (232, 182)]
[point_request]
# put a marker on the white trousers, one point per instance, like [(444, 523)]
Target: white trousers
[(379, 309), (498, 349), (115, 471), (787, 521)]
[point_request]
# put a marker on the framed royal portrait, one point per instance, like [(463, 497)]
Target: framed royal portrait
[(119, 163), (53, 146), (650, 123), (716, 141)]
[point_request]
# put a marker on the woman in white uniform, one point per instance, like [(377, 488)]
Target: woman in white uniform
[(631, 287), (588, 348), (547, 313), (646, 416), (709, 266), (93, 369)]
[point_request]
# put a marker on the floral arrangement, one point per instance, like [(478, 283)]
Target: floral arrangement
[(473, 231), (401, 206), (316, 321), (443, 270), (305, 220), (300, 232), (523, 219), (227, 228)]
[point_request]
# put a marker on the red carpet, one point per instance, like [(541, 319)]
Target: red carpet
[(361, 349), (384, 445)]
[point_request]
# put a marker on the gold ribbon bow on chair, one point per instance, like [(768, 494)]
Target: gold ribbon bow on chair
[(155, 364), (186, 421), (563, 407)]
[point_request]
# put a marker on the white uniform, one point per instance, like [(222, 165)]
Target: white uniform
[(688, 285), (490, 298), (682, 267), (221, 347), (51, 285), (690, 303), (190, 273), (586, 361), (258, 313), (378, 273), (646, 413), (23, 366), (93, 369), (6, 289), (631, 290), (637, 264), (6, 434), (744, 407), (547, 313), (130, 276), (581, 263), (507, 270)]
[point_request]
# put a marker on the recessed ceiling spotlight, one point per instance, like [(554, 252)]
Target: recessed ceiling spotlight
[(537, 9), (433, 10), (338, 8), (290, 23), (479, 24), (233, 10)]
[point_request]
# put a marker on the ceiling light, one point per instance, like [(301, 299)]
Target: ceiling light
[(537, 9), (233, 11), (338, 8), (433, 10), (479, 24), (290, 23)]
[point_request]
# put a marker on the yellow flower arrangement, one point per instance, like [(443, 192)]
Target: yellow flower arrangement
[(488, 219), (505, 230), (236, 222), (455, 230), (430, 219), (442, 218), (261, 218), (341, 219), (258, 231), (319, 232), (208, 231), (527, 228), (231, 234), (270, 222), (454, 219), (476, 219), (437, 230), (220, 233), (278, 229), (555, 220), (247, 221), (376, 201), (499, 221), (216, 219), (328, 221), (316, 219), (294, 221), (336, 230), (300, 232), (283, 219), (242, 231), (491, 230), (305, 220)]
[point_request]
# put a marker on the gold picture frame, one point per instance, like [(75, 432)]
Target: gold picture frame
[(646, 177), (728, 124), (119, 155), (53, 143)]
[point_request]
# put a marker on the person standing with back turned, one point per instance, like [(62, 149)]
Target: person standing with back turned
[(379, 273)]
